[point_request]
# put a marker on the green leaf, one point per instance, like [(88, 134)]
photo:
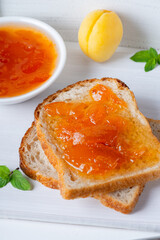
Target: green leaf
[(158, 59), (153, 53), (4, 176), (141, 56), (20, 182), (4, 171), (150, 65), (3, 182)]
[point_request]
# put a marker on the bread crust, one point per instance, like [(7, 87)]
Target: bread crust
[(109, 201), (112, 185), (47, 181)]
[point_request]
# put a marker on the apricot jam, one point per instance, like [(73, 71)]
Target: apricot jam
[(97, 137), (27, 59)]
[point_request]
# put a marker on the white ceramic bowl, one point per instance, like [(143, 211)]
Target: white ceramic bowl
[(54, 36)]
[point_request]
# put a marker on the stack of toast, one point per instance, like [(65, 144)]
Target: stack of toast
[(41, 158)]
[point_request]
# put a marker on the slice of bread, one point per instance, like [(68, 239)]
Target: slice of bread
[(72, 185), (123, 200), (35, 164)]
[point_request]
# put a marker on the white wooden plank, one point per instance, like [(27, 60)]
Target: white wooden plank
[(17, 230), (140, 17)]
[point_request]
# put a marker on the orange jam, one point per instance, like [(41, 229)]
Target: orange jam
[(98, 137), (27, 59)]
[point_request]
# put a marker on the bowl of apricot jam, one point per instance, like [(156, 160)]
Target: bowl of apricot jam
[(32, 55)]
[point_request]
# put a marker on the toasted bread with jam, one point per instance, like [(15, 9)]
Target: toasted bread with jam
[(72, 184)]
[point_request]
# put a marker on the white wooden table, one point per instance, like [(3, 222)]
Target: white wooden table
[(24, 230), (141, 29)]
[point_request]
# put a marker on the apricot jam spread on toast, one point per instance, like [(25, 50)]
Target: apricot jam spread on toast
[(97, 137)]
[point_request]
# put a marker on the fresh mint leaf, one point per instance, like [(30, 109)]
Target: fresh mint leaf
[(4, 176), (150, 65), (141, 56), (158, 59), (19, 181), (3, 182), (153, 53), (4, 171)]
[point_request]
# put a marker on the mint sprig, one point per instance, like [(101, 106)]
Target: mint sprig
[(15, 177), (151, 57)]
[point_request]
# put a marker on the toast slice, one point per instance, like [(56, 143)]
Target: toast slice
[(72, 185), (35, 164)]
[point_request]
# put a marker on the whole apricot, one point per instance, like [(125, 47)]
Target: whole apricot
[(100, 34)]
